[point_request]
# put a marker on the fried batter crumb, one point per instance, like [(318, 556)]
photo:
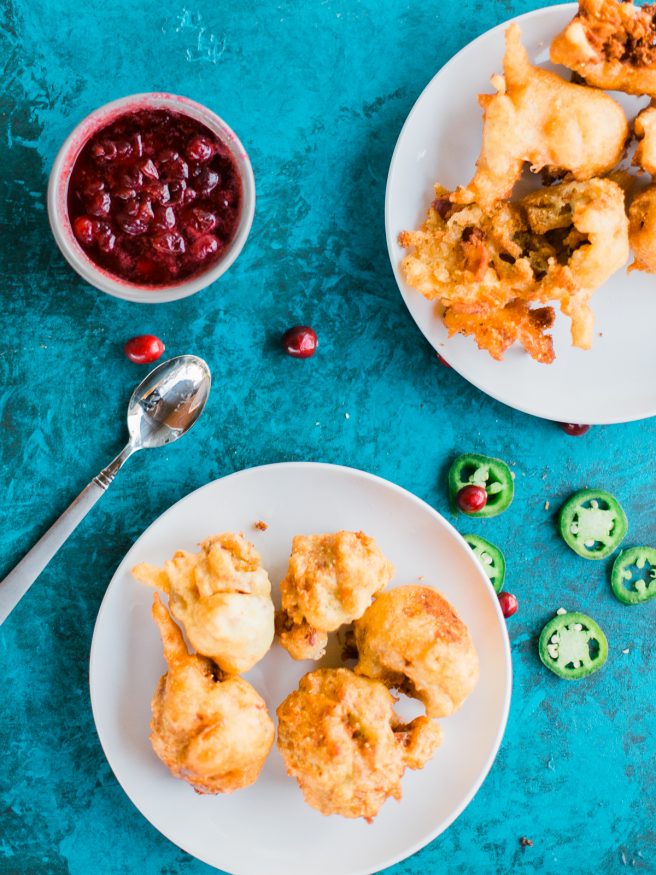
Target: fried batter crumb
[(261, 526)]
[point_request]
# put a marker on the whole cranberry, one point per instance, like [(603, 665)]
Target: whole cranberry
[(169, 243), (203, 247), (507, 603), (143, 349), (471, 498), (105, 237), (199, 149), (99, 204), (574, 430), (300, 341), (84, 229)]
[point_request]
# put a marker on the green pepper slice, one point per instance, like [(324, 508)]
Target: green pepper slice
[(573, 646), (593, 523), (633, 577), (491, 558), (492, 474)]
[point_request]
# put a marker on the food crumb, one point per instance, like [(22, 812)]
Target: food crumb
[(261, 526), (512, 474), (526, 843), (347, 416), (317, 423), (626, 650), (421, 577), (561, 611), (547, 505)]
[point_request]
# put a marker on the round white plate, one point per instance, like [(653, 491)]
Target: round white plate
[(440, 142), (267, 828)]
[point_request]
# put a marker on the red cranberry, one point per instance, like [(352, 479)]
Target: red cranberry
[(144, 349), (105, 237), (157, 191), (177, 191), (200, 222), (574, 430), (300, 341), (169, 243), (172, 166), (84, 229), (148, 169), (442, 361), (207, 181), (136, 223), (104, 151), (164, 218), (92, 187), (508, 604), (471, 498), (199, 149), (123, 149), (99, 204), (204, 247)]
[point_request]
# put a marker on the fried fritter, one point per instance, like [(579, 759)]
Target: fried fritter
[(222, 597), (330, 581), (556, 244), (611, 45), (644, 127), (539, 118), (413, 640), (340, 738), (211, 730), (642, 230), (514, 323)]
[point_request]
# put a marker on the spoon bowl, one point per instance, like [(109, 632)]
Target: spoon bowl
[(168, 401)]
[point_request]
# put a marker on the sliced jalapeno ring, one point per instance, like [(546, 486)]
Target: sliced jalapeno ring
[(593, 523), (493, 475), (573, 646), (633, 577), (491, 558)]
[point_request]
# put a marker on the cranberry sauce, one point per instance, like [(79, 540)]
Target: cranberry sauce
[(154, 197)]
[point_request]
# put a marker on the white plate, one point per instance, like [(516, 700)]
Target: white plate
[(267, 828), (440, 142)]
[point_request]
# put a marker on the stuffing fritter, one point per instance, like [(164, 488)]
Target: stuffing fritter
[(642, 229), (222, 597), (539, 118), (340, 738), (330, 581), (413, 641), (611, 45), (556, 244), (211, 730), (644, 127)]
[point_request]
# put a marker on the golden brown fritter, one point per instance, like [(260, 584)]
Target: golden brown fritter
[(413, 640), (644, 127), (330, 581), (611, 45), (211, 730), (642, 230), (340, 738), (556, 244), (539, 118), (222, 597), (515, 323)]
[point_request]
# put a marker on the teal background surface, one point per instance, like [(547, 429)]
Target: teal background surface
[(317, 91)]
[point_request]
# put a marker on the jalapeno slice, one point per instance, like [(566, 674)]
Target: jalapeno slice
[(633, 577), (493, 475), (491, 558), (573, 646), (593, 523)]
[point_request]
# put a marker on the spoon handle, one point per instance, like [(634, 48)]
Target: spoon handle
[(21, 578)]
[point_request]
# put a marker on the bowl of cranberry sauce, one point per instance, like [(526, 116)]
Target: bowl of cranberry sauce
[(151, 198)]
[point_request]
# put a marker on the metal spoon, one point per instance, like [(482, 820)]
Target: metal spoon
[(163, 407)]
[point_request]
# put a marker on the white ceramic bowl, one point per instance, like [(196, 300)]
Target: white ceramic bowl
[(58, 193)]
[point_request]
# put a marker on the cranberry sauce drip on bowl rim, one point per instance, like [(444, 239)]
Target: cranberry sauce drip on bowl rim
[(151, 198)]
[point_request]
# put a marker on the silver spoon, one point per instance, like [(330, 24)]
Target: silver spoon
[(163, 407)]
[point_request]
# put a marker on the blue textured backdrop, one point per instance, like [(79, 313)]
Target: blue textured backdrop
[(318, 92)]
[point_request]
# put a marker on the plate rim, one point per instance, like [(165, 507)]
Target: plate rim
[(391, 236), (365, 475)]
